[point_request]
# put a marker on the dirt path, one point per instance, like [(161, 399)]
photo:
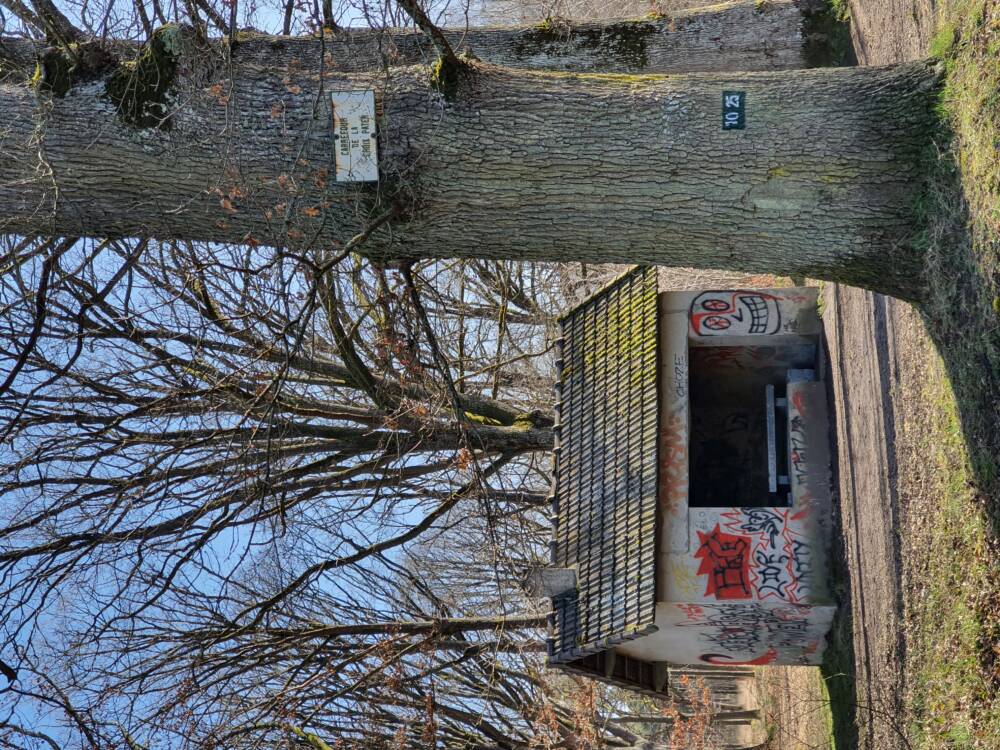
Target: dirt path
[(891, 31), (875, 347), (875, 344), (870, 363)]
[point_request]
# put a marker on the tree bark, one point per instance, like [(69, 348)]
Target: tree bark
[(741, 35), (731, 36), (506, 164)]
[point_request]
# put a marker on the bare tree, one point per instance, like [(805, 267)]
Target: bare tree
[(199, 449), (266, 492), (243, 505)]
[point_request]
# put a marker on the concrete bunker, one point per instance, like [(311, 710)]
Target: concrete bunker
[(691, 487)]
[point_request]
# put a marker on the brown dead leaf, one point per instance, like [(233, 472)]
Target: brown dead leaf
[(463, 460)]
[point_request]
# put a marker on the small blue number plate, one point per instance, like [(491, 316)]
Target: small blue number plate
[(734, 115)]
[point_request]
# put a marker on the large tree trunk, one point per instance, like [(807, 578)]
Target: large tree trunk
[(731, 36), (742, 35), (509, 164)]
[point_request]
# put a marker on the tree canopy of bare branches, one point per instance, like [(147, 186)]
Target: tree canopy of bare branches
[(263, 497), (218, 473)]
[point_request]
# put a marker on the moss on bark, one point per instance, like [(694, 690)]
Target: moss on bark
[(446, 76), (59, 68), (140, 87)]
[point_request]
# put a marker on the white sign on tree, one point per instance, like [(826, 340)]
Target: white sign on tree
[(355, 146)]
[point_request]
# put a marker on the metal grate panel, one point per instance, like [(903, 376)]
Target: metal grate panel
[(605, 472)]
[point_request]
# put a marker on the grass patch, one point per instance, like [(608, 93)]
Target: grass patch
[(953, 522), (962, 243), (838, 682), (942, 42), (837, 669), (950, 617), (969, 44)]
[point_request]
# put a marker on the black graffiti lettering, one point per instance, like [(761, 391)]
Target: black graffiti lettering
[(741, 628), (772, 571), (802, 561), (680, 375), (738, 421), (763, 520), (799, 451)]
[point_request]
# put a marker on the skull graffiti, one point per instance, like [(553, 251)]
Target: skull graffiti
[(735, 313)]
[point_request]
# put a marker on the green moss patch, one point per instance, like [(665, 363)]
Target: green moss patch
[(139, 88), (447, 76)]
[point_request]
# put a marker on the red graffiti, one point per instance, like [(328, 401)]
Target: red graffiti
[(780, 561), (717, 357), (799, 402), (725, 559), (673, 462), (692, 611), (721, 659)]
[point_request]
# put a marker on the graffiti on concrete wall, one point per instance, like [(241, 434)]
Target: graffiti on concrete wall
[(799, 455), (741, 633), (780, 560), (679, 376), (674, 461), (756, 553), (725, 559), (735, 313), (753, 357)]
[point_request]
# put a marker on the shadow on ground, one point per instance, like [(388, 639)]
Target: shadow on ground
[(962, 316), (837, 668)]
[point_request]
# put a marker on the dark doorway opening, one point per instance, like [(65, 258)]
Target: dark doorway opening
[(739, 424)]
